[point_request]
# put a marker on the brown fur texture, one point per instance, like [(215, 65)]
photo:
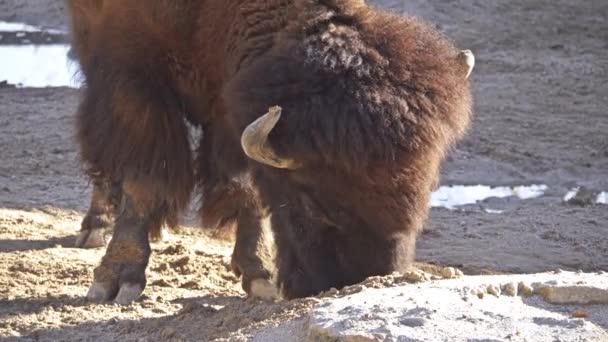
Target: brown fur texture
[(105, 200), (371, 103)]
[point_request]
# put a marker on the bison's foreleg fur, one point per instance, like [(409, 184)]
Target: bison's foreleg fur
[(99, 220), (230, 201), (254, 254), (100, 216)]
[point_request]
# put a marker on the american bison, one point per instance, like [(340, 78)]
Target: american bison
[(324, 121)]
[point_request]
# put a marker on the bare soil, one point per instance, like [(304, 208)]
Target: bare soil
[(541, 92)]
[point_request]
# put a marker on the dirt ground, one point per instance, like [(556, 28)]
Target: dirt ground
[(541, 93)]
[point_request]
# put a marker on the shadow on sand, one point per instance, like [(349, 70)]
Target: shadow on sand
[(201, 318)]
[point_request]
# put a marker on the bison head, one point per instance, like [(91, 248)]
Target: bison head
[(337, 221)]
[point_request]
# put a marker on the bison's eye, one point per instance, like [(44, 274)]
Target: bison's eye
[(254, 141)]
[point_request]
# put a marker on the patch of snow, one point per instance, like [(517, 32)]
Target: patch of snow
[(602, 198), (452, 196), (571, 194), (528, 192), (20, 27), (38, 66), (493, 211)]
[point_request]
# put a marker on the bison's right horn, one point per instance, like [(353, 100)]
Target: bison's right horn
[(254, 141), (467, 57)]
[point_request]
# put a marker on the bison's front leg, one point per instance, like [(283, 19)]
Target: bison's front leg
[(100, 216), (121, 275), (229, 197), (253, 256)]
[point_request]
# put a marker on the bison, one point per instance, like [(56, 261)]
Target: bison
[(324, 126)]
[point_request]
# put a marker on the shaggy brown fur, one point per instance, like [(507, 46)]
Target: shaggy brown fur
[(371, 102)]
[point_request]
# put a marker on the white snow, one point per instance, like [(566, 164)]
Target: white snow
[(602, 198), (571, 194), (452, 196), (38, 66), (20, 27), (493, 211)]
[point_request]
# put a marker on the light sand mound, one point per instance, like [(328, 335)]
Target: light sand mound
[(559, 306), (486, 308)]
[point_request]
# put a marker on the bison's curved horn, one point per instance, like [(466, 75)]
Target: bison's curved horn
[(254, 141), (468, 59)]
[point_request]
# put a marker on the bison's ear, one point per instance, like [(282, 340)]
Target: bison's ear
[(467, 59), (254, 141)]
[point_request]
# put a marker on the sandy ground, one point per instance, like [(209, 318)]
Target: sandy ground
[(541, 91)]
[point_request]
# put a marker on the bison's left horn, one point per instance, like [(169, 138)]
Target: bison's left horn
[(254, 141), (467, 58)]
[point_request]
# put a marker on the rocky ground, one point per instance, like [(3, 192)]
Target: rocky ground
[(541, 92), (538, 307)]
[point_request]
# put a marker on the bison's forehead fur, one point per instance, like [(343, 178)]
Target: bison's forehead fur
[(371, 101)]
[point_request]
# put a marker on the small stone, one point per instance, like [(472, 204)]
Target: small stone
[(161, 283), (493, 290), (162, 267), (187, 308), (478, 292), (192, 285), (352, 289), (525, 289), (167, 333), (173, 250), (572, 294), (580, 314), (181, 262), (329, 293), (448, 272), (413, 321), (510, 289), (415, 276)]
